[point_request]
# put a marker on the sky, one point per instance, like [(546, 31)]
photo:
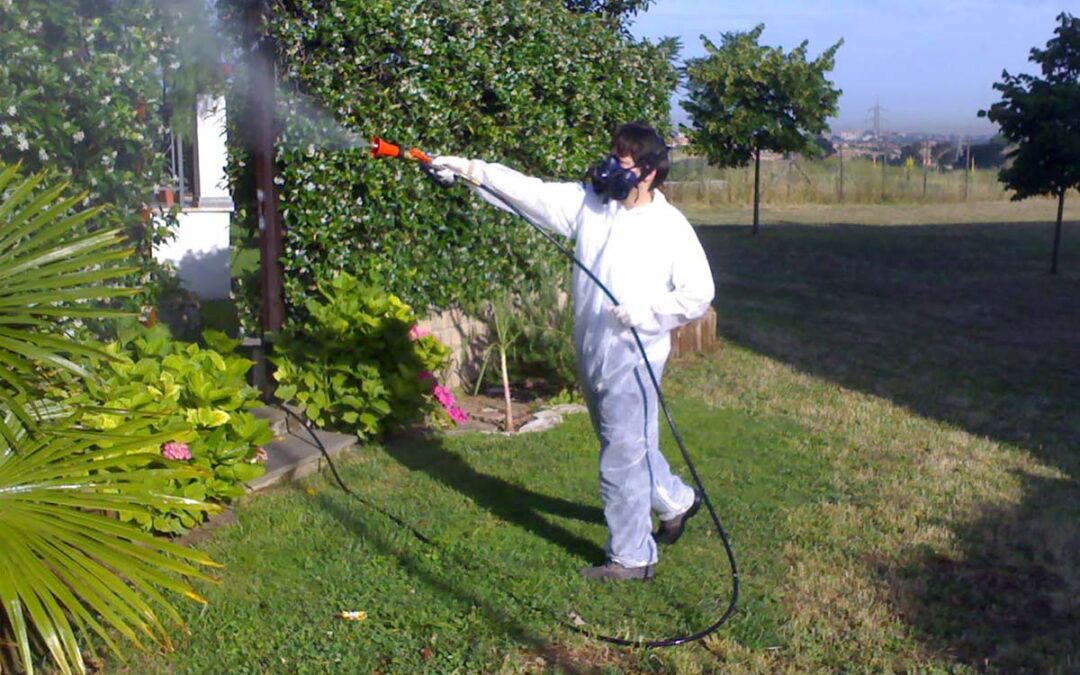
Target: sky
[(931, 64)]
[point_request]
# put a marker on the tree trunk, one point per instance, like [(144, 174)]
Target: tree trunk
[(757, 189), (1057, 233)]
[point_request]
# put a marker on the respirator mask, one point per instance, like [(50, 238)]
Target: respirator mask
[(610, 180)]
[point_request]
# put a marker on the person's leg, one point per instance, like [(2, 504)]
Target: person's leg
[(625, 485), (670, 496)]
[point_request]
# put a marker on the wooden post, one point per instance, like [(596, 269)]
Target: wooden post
[(261, 109), (841, 148), (925, 165), (967, 170), (883, 163)]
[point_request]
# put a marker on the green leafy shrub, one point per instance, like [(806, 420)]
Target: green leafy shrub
[(356, 361), (182, 387), (526, 82)]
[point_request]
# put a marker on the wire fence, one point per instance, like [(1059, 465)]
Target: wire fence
[(824, 182)]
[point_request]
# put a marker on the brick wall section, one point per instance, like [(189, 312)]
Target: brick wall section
[(466, 338)]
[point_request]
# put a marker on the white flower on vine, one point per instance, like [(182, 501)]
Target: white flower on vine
[(11, 111), (42, 155), (23, 144), (5, 130), (78, 136)]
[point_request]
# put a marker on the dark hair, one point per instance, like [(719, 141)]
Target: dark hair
[(648, 150)]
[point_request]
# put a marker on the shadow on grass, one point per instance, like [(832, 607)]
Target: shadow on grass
[(447, 584), (512, 503), (962, 324)]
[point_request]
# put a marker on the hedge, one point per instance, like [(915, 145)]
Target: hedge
[(525, 82)]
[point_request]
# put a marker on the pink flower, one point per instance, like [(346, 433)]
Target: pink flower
[(416, 332), (176, 450), (443, 395), (261, 456), (458, 415)]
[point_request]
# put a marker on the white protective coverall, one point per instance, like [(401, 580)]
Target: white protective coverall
[(645, 255)]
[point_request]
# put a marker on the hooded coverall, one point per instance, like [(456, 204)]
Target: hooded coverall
[(648, 255)]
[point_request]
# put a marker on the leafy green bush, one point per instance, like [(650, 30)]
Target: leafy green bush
[(356, 360), (525, 82), (182, 387)]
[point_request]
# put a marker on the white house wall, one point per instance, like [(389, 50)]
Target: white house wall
[(200, 251)]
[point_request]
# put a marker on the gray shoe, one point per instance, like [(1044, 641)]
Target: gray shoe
[(671, 530), (613, 571)]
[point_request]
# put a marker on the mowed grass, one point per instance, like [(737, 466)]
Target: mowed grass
[(512, 521), (944, 362), (890, 433)]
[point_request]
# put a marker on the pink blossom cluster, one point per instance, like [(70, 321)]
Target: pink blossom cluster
[(416, 332), (446, 399), (176, 450)]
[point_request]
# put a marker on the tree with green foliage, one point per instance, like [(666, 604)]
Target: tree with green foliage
[(88, 90), (745, 97), (1041, 116)]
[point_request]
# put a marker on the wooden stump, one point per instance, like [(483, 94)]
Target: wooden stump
[(696, 337)]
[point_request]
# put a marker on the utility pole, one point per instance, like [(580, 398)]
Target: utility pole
[(876, 117)]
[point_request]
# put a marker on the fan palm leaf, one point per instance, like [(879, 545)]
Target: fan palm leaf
[(48, 269), (68, 568)]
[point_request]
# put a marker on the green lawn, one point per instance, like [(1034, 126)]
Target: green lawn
[(890, 434), (513, 521)]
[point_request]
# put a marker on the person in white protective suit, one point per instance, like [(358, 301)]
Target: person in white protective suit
[(644, 250)]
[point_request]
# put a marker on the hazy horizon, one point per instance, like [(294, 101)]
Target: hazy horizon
[(930, 64)]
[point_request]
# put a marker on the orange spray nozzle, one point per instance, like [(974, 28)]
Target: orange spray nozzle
[(381, 148)]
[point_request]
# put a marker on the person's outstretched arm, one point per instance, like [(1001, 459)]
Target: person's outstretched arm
[(553, 206)]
